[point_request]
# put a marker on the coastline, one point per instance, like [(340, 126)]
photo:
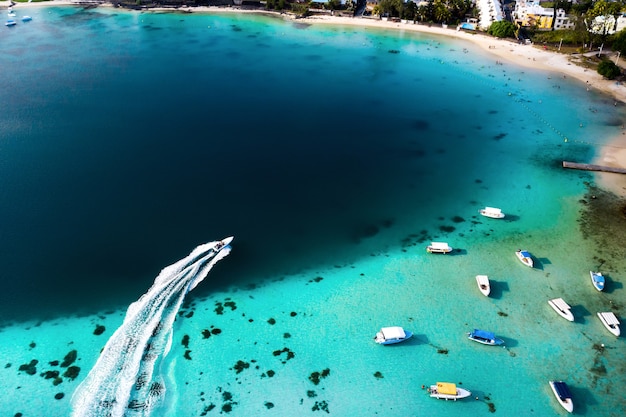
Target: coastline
[(612, 154), (505, 49)]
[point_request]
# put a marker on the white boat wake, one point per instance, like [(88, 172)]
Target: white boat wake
[(126, 379)]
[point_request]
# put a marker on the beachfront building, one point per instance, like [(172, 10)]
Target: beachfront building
[(490, 11), (529, 13), (608, 25)]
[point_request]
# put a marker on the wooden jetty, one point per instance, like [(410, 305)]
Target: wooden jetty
[(590, 167)]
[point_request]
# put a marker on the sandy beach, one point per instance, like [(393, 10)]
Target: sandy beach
[(504, 51)]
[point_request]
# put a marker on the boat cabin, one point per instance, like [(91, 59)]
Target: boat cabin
[(439, 247), (390, 335), (610, 321), (485, 337), (492, 212), (562, 390), (446, 388)]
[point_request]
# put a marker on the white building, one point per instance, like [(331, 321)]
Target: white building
[(490, 11), (608, 25), (531, 13)]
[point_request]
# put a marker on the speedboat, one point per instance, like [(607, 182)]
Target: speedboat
[(494, 213), (484, 337), (561, 307), (483, 284), (448, 391), (221, 243), (597, 279), (26, 18), (10, 22), (562, 393), (391, 335), (524, 257), (438, 247), (610, 322)]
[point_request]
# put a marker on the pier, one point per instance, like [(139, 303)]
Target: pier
[(590, 167)]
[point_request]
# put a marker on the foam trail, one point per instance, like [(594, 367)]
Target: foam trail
[(126, 378)]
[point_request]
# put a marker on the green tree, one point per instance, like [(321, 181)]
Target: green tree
[(409, 12), (608, 69), (619, 42), (392, 7), (441, 12), (605, 9), (333, 5), (502, 29)]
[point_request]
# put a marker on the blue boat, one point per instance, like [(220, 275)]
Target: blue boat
[(597, 279), (26, 18), (524, 257), (10, 22), (484, 337)]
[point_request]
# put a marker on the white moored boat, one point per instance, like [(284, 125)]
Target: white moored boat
[(483, 284), (448, 391), (524, 257), (561, 307), (391, 335), (610, 322), (562, 394), (494, 213), (438, 247), (597, 279)]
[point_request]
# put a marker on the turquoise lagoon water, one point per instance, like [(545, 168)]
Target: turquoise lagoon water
[(334, 155)]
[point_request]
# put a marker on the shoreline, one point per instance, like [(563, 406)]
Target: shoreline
[(613, 153)]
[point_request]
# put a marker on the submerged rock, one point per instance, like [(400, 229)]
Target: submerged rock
[(69, 358), (71, 372), (30, 368), (315, 377)]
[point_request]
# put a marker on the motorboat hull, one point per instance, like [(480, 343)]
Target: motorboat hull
[(597, 279), (492, 213), (490, 340), (566, 402), (438, 247), (525, 258), (561, 308), (483, 284), (460, 394), (382, 340), (611, 323)]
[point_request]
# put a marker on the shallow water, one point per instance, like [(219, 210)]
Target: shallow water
[(334, 155)]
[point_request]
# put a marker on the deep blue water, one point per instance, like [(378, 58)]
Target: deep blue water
[(128, 138)]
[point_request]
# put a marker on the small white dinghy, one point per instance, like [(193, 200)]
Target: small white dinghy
[(562, 394), (438, 247), (483, 284), (525, 257), (561, 307), (448, 391), (492, 212), (610, 322)]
